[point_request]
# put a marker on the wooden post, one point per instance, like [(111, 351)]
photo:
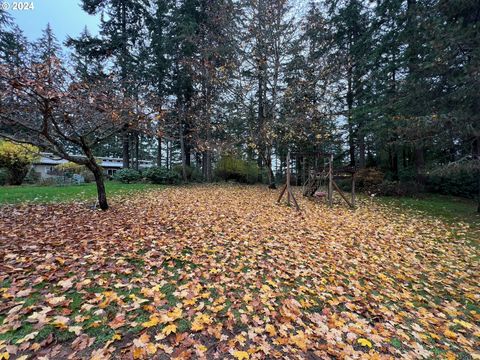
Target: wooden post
[(330, 181), (287, 188), (342, 194)]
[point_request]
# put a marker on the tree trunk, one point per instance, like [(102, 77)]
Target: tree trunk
[(271, 175), (209, 166), (159, 151), (184, 157), (476, 157), (99, 181), (395, 163), (419, 164), (126, 149), (361, 150), (137, 150), (351, 140), (169, 154)]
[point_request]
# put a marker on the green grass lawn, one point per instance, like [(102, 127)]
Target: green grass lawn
[(65, 193), (448, 208)]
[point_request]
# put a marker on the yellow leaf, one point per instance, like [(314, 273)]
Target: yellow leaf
[(241, 355), (151, 348), (4, 355), (199, 321), (463, 323), (167, 330), (271, 330), (450, 356), (116, 337), (364, 342), (299, 340), (450, 334), (241, 339), (154, 321), (189, 302), (175, 314), (197, 326), (138, 352), (202, 348)]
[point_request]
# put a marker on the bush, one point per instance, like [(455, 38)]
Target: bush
[(68, 169), (397, 188), (460, 183), (17, 158), (88, 176), (368, 179), (3, 177), (232, 168), (193, 173), (127, 176), (33, 177), (160, 175)]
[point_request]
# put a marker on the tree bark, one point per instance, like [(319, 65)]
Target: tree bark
[(99, 181), (271, 175), (137, 150), (351, 135), (419, 164), (159, 151), (184, 156), (395, 163), (476, 157), (125, 149), (361, 150)]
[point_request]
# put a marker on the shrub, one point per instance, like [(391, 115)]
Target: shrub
[(70, 168), (160, 175), (460, 183), (232, 168), (368, 179), (193, 173), (3, 177), (127, 176), (397, 188), (88, 176), (17, 158), (33, 177)]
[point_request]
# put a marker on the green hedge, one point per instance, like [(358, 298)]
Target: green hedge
[(461, 183), (3, 176), (193, 173), (127, 176), (160, 175), (232, 168)]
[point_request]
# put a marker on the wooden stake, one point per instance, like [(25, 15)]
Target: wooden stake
[(282, 192), (341, 193), (287, 188)]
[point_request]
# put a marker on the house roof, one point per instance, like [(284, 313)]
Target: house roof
[(105, 162)]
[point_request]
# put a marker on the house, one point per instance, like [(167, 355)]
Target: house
[(47, 162)]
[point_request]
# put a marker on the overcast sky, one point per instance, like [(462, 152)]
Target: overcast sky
[(65, 16)]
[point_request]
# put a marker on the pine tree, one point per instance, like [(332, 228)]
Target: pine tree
[(122, 27)]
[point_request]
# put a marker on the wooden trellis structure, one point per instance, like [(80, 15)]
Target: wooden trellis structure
[(316, 178)]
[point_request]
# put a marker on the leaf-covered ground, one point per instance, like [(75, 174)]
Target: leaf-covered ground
[(223, 272)]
